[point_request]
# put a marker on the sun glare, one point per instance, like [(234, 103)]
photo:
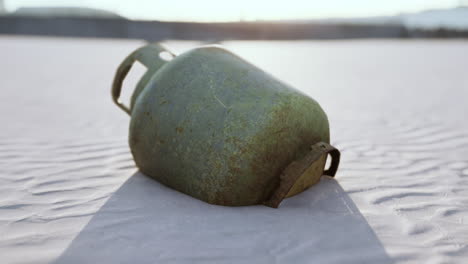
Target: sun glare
[(247, 10)]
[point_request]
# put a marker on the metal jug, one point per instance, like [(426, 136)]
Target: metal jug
[(213, 126)]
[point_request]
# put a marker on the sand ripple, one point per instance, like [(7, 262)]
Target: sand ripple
[(397, 116)]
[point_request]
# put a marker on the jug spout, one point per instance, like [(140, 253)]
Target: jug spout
[(152, 56)]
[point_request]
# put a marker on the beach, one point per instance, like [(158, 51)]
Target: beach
[(71, 193)]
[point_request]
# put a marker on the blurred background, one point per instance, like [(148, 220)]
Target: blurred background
[(390, 74), (213, 20)]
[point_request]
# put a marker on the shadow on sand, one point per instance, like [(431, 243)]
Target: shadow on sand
[(146, 222)]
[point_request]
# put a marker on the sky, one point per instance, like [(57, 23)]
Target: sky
[(249, 10)]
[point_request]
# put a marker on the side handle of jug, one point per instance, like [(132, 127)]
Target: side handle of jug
[(152, 57), (301, 174)]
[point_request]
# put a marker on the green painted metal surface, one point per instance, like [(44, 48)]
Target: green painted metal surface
[(213, 126)]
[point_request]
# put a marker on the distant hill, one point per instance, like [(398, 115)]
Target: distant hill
[(88, 22), (64, 12), (2, 7), (454, 18)]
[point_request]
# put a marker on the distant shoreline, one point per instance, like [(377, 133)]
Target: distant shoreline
[(158, 30)]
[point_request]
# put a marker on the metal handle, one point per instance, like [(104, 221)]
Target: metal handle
[(297, 168), (149, 56), (335, 159)]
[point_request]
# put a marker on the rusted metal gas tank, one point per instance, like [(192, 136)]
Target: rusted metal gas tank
[(211, 125)]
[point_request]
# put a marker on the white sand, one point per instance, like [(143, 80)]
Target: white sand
[(70, 193)]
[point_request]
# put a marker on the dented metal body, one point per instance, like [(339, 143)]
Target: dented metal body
[(213, 126)]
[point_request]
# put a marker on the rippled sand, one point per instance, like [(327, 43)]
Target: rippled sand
[(70, 193)]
